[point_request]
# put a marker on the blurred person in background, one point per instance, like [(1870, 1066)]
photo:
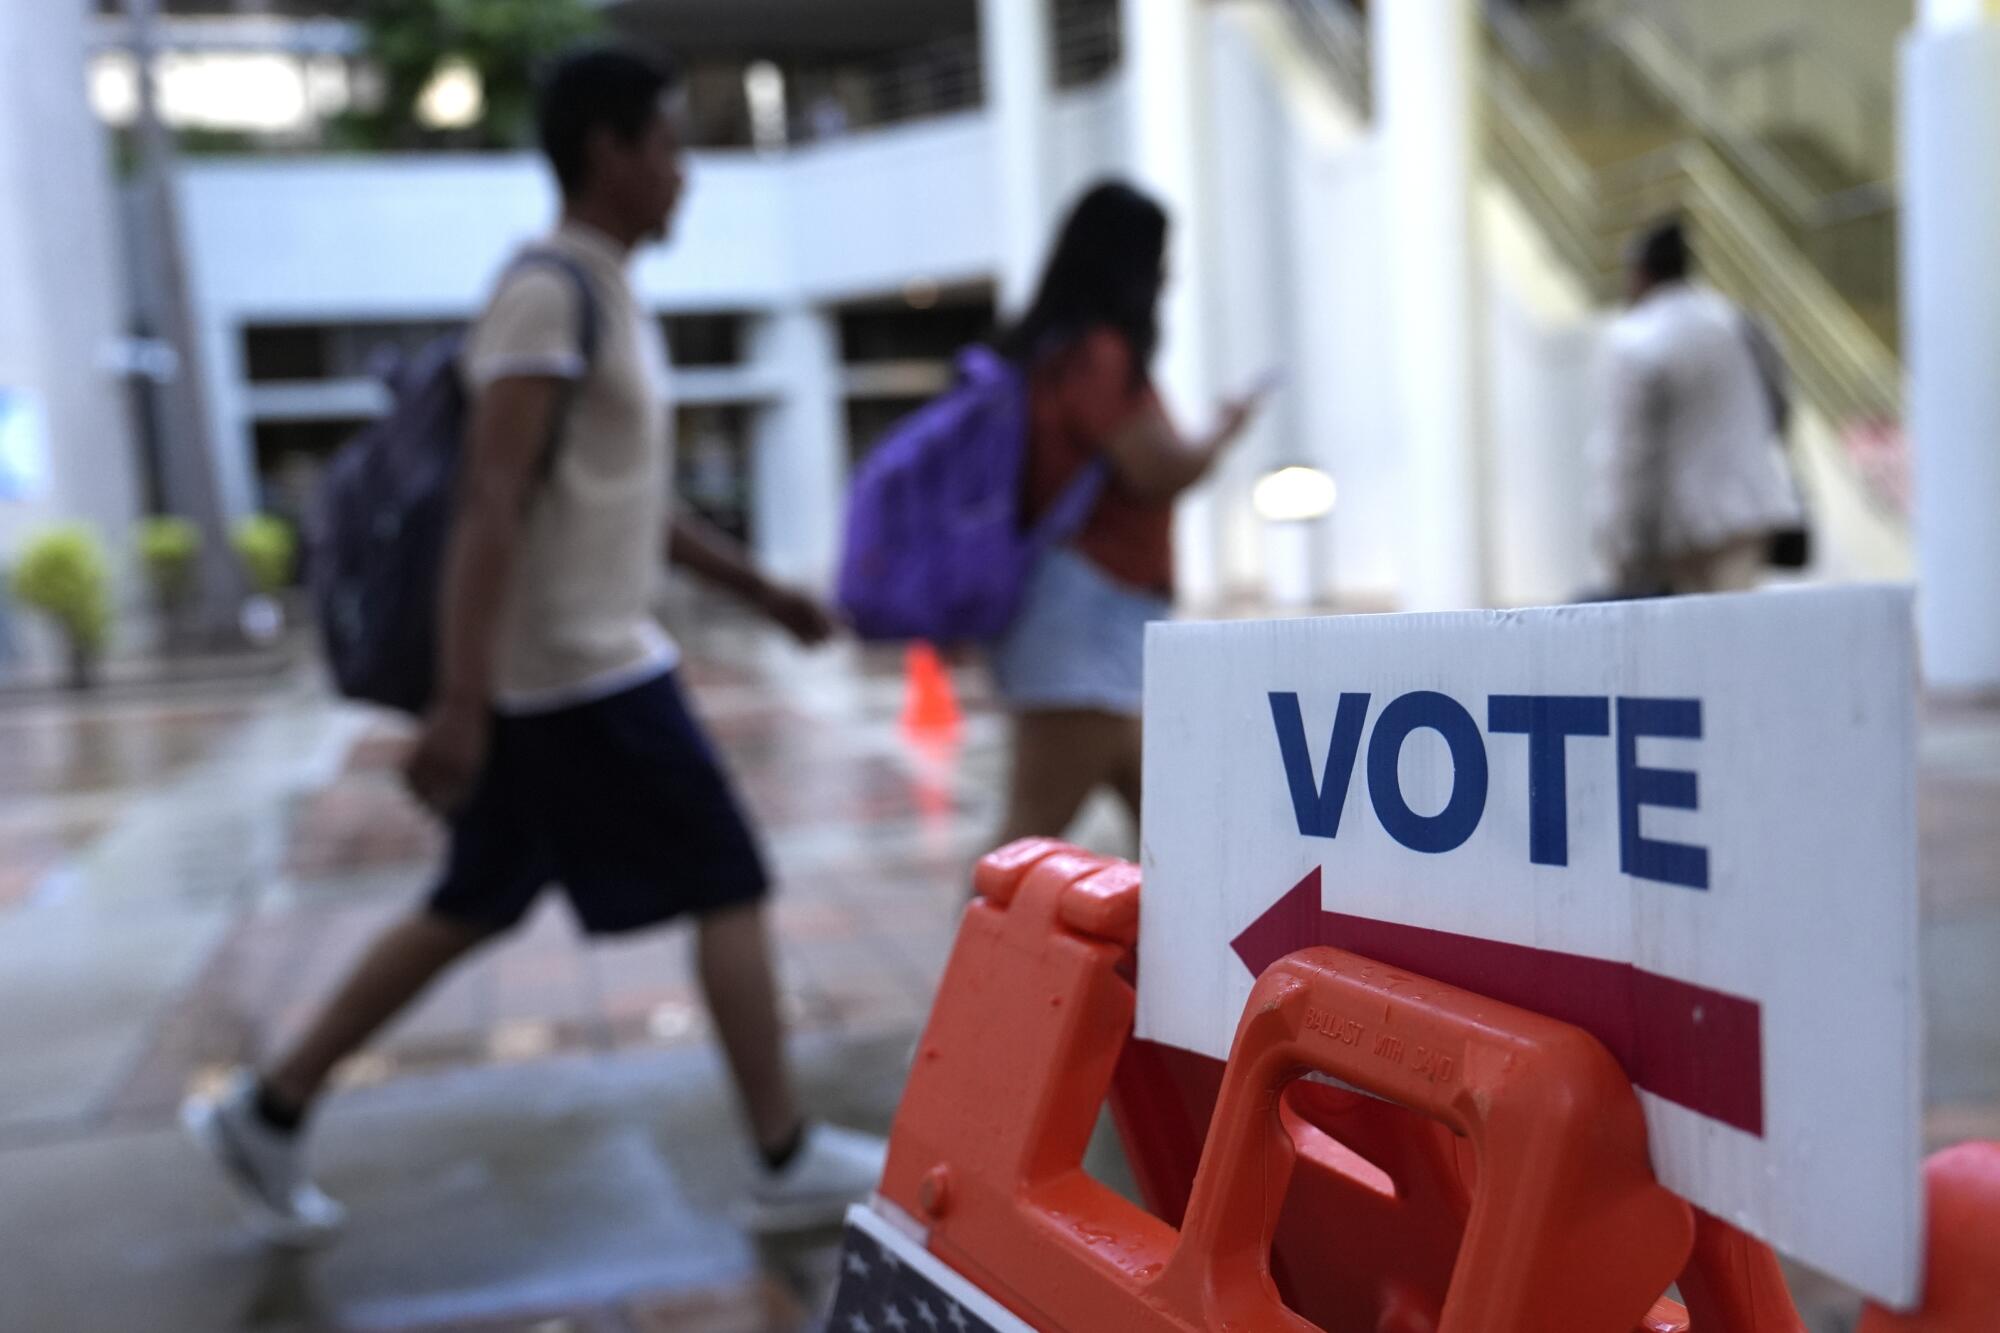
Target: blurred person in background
[(1692, 482), (1069, 668), (560, 746)]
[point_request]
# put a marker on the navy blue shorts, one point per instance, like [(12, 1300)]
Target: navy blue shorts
[(622, 802)]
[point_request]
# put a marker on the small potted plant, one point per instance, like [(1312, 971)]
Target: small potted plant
[(268, 550), (63, 574), (169, 551)]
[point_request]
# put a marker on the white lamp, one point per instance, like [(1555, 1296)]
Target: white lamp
[(1293, 494), (1292, 500)]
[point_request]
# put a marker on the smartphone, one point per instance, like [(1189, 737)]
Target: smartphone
[(1267, 383)]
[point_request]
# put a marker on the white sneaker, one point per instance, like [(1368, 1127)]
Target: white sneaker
[(266, 1167), (833, 1168)]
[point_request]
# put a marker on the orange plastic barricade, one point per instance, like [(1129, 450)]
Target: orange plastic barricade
[(1480, 1168), (1962, 1249)]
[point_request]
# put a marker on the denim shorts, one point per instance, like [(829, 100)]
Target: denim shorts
[(621, 801), (1079, 640)]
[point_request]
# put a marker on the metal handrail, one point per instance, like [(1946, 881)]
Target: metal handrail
[(1531, 155), (1691, 81), (1791, 42), (1088, 42), (1806, 207), (1778, 44), (1723, 177), (945, 76), (255, 33), (1841, 365), (940, 77), (1872, 199), (1519, 38), (1840, 362), (936, 79)]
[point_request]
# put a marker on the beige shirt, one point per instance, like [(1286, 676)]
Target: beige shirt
[(578, 624)]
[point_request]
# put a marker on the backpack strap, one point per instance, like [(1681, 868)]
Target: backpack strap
[(1072, 507), (588, 332), (587, 319), (1772, 378)]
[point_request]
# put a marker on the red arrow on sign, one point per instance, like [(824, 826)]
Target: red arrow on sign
[(1697, 1047)]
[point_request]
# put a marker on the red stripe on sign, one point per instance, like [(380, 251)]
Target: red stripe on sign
[(1695, 1046), (1701, 1048)]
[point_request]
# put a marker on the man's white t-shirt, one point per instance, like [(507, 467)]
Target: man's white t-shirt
[(578, 623)]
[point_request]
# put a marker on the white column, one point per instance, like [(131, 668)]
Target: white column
[(1426, 80), (1015, 55), (1166, 90), (61, 279), (1951, 283), (798, 470)]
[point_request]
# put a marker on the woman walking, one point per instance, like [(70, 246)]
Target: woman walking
[(1069, 668)]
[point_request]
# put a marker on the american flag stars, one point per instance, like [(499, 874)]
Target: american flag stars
[(880, 1294)]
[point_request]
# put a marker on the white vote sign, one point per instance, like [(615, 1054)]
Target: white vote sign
[(1686, 825)]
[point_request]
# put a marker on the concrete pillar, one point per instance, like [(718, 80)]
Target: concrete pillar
[(1951, 292), (62, 281), (1015, 54), (1426, 83), (798, 470), (1166, 89)]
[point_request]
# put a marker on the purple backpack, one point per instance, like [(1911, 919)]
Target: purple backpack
[(384, 520), (937, 547)]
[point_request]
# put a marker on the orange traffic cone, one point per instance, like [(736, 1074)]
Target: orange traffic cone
[(930, 706)]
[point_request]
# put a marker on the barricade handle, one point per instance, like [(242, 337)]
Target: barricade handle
[(1568, 1229)]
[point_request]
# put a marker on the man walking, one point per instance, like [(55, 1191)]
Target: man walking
[(559, 745), (1692, 478)]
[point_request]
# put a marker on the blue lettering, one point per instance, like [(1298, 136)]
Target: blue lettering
[(1451, 826), (1548, 720), (1318, 805), (1668, 788)]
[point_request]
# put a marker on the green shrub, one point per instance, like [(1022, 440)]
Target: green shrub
[(505, 41), (268, 550), (63, 574), (169, 547)]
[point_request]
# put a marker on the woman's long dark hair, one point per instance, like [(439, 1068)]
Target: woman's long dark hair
[(1107, 269)]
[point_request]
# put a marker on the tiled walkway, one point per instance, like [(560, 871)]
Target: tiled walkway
[(868, 854), (545, 1142)]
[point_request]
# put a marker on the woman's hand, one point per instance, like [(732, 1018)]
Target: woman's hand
[(1238, 412)]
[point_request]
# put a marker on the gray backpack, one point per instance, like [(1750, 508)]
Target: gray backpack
[(385, 517)]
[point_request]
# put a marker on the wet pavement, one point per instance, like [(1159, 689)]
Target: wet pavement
[(546, 1141)]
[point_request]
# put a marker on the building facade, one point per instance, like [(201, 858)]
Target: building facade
[(1409, 220)]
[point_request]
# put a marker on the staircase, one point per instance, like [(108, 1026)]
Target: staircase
[(1599, 120)]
